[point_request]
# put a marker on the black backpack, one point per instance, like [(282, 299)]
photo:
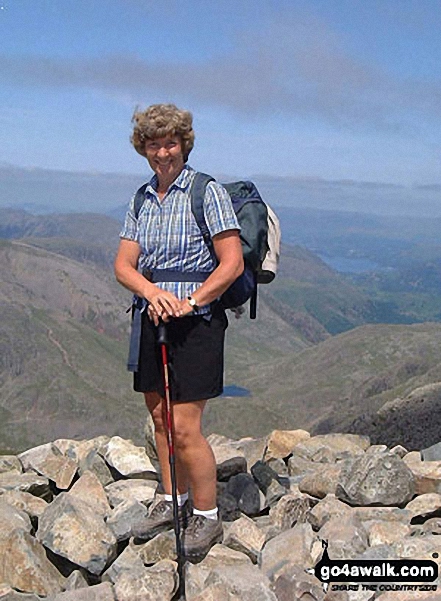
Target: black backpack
[(253, 217)]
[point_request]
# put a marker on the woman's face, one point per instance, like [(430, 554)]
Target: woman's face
[(165, 157)]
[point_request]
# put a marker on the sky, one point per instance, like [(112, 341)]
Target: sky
[(332, 89)]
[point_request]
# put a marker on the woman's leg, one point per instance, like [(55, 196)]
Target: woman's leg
[(156, 406), (194, 453)]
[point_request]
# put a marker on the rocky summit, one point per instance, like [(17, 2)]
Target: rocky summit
[(289, 501)]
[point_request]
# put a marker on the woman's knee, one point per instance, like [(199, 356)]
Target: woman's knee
[(155, 406)]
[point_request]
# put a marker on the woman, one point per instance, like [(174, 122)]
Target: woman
[(164, 236)]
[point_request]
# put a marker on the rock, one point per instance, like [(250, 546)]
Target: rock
[(243, 582), (90, 490), (263, 475), (291, 546), (329, 448), (246, 537), (294, 584), (279, 466), (158, 583), (432, 526), (93, 462), (427, 476), (162, 546), (129, 561), (75, 581), (326, 509), (100, 592), (391, 594), (246, 492), (299, 466), (218, 556), (380, 479), (432, 453), (291, 509), (215, 592), (387, 533), (32, 483), (250, 448), (26, 567), (129, 460), (7, 593), (131, 490), (231, 467), (227, 504), (274, 492), (322, 481), (71, 528), (345, 535), (425, 505), (10, 463), (281, 442), (26, 502), (11, 519), (123, 517), (399, 450), (79, 450), (48, 461)]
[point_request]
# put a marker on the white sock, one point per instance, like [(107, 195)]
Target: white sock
[(181, 498), (211, 514)]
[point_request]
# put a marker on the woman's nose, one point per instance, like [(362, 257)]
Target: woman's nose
[(162, 151)]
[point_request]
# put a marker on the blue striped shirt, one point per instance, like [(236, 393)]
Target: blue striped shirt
[(168, 234)]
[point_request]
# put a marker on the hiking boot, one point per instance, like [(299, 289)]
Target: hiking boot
[(159, 519), (200, 535)]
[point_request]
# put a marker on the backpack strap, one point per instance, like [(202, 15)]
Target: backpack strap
[(139, 200), (197, 195)]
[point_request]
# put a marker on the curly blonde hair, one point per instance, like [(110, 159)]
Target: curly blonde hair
[(160, 120)]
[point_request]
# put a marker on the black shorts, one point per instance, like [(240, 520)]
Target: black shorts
[(195, 357)]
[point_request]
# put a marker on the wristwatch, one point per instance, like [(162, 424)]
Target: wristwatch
[(192, 302)]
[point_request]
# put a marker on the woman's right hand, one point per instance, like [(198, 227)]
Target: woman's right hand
[(163, 306)]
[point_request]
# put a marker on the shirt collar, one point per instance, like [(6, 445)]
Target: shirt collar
[(182, 181)]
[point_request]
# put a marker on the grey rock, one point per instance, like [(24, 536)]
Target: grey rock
[(126, 490), (263, 475), (432, 453), (71, 528), (294, 584), (227, 504), (244, 536), (30, 482), (127, 561), (123, 516), (7, 593), (426, 505), (48, 461), (246, 492), (219, 556), (291, 546), (427, 475), (326, 509), (380, 479), (250, 448), (75, 581), (162, 546), (387, 533), (93, 462), (399, 450), (322, 481), (30, 504), (329, 448), (281, 442), (346, 537), (99, 592), (231, 467), (274, 493), (11, 519), (158, 583), (290, 510), (90, 490), (242, 582), (299, 466), (10, 463), (279, 466), (25, 566), (129, 460)]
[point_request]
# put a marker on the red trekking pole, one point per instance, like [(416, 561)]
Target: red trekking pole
[(163, 342)]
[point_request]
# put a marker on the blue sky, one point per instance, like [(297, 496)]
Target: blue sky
[(333, 89)]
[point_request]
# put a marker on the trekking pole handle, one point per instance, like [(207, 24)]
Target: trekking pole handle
[(162, 333)]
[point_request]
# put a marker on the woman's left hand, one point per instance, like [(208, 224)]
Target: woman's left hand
[(185, 308)]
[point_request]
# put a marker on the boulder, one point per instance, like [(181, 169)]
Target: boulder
[(281, 442), (25, 566), (244, 536), (346, 537), (24, 501), (129, 460), (10, 463), (12, 519), (30, 482), (291, 546), (379, 479), (329, 448), (123, 517), (71, 528), (131, 490), (246, 492), (326, 509), (321, 482), (48, 461), (99, 592), (158, 583), (90, 490)]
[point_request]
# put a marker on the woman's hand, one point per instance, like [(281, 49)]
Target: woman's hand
[(163, 305)]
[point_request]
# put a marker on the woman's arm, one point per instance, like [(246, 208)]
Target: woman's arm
[(228, 250), (164, 304)]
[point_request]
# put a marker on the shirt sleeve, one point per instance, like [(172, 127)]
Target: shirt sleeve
[(218, 210), (130, 228)]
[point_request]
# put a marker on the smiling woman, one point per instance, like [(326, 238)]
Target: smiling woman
[(160, 240)]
